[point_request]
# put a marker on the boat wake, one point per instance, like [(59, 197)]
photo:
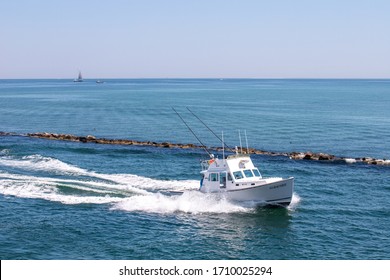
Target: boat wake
[(39, 177)]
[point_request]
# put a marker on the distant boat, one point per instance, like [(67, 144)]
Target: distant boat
[(100, 82), (79, 78)]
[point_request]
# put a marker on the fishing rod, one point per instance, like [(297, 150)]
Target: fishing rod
[(210, 130), (193, 133)]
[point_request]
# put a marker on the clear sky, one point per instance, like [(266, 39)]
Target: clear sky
[(195, 38)]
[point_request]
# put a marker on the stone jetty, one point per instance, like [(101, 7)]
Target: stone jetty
[(309, 156), (93, 139)]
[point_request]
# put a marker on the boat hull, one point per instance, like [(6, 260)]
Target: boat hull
[(277, 193)]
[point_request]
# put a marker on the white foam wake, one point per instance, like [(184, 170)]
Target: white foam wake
[(149, 184), (189, 202), (88, 191), (141, 200), (126, 192), (48, 191), (84, 186), (57, 167), (41, 163)]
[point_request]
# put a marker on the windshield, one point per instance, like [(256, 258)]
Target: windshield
[(248, 173), (238, 175), (256, 172)]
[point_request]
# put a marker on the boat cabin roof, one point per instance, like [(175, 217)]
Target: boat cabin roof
[(239, 165), (232, 163)]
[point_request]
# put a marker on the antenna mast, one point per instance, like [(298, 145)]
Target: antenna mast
[(246, 140), (223, 148), (239, 136)]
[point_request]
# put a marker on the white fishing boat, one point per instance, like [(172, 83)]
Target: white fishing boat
[(236, 178), (79, 78)]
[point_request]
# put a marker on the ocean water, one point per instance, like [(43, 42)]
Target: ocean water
[(70, 200)]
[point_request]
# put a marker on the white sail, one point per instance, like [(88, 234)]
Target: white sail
[(79, 78)]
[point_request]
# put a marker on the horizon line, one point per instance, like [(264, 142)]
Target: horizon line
[(205, 78)]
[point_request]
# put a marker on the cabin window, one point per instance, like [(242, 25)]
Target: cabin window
[(213, 177), (229, 177), (248, 173), (222, 180), (238, 175), (256, 172), (222, 177)]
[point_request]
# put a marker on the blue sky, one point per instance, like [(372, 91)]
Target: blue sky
[(195, 39)]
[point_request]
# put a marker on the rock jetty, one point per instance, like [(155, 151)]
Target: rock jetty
[(332, 158), (2, 133), (309, 156), (93, 139)]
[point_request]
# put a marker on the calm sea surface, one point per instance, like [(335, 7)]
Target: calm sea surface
[(68, 200)]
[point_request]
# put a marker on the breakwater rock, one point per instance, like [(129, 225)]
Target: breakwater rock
[(93, 139), (309, 156), (2, 133), (333, 158)]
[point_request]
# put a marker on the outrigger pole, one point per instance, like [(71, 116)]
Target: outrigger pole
[(223, 143), (193, 133)]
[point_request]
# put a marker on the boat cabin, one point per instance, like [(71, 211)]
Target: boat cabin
[(233, 172)]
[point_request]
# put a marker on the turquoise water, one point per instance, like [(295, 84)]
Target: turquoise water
[(66, 200)]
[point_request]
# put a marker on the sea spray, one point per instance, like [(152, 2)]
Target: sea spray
[(295, 201), (193, 202)]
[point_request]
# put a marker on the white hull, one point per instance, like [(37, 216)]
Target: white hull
[(268, 191), (279, 192)]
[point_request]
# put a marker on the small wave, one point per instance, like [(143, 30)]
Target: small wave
[(41, 163), (5, 152), (350, 160), (49, 192)]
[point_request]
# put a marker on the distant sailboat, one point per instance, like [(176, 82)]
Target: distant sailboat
[(79, 79)]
